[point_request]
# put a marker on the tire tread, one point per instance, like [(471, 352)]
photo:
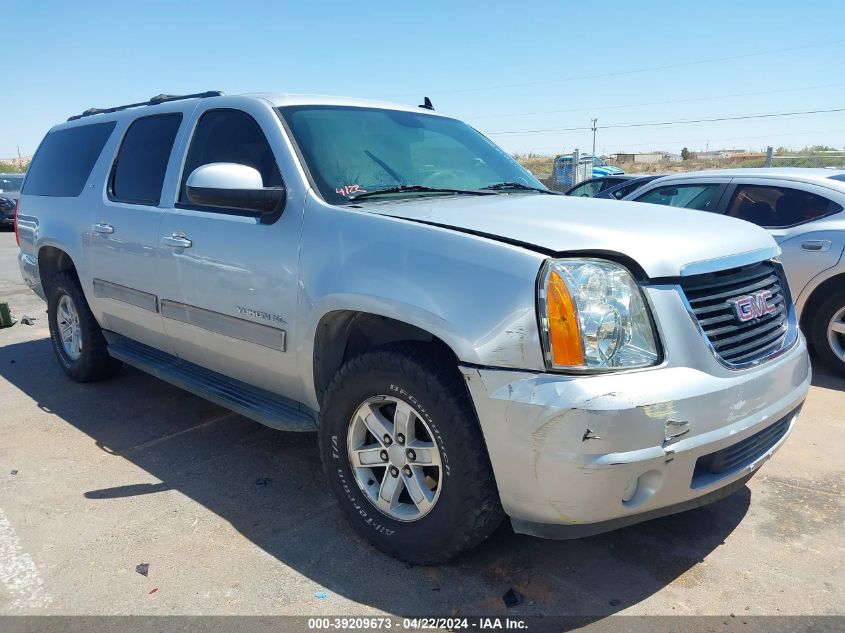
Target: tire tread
[(440, 380), (95, 364)]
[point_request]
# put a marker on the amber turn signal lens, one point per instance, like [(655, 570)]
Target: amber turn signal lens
[(564, 333)]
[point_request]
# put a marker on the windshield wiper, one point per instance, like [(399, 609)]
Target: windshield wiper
[(378, 161), (503, 186), (417, 189)]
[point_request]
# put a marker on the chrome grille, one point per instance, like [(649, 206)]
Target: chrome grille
[(741, 343)]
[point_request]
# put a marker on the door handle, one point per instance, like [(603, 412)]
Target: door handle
[(103, 228), (816, 245), (176, 241)]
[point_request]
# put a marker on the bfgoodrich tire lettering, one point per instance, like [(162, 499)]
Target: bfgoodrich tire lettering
[(87, 360), (466, 510)]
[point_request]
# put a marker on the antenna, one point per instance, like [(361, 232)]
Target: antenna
[(426, 104)]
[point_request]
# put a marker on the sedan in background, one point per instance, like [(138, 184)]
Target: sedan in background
[(10, 188), (804, 210)]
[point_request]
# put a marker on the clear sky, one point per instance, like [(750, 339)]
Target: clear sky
[(501, 66)]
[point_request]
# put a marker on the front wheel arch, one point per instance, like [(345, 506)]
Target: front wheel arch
[(344, 334)]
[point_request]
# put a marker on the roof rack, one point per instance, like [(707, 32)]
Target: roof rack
[(154, 101)]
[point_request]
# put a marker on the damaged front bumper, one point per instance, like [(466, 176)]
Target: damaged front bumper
[(575, 456)]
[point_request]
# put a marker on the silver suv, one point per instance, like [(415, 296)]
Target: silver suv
[(804, 210), (467, 344)]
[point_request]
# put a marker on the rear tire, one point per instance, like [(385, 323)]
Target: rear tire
[(827, 332), (459, 507), (77, 338)]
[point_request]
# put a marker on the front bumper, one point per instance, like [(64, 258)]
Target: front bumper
[(575, 456)]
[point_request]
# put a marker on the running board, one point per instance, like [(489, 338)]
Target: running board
[(252, 402)]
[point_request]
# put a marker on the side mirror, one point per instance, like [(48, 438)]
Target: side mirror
[(233, 186)]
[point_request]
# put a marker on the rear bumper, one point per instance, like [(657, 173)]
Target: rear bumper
[(575, 456)]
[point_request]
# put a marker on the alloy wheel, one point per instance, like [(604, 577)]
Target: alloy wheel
[(394, 457), (70, 334)]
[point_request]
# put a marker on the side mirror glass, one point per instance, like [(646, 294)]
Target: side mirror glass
[(233, 186)]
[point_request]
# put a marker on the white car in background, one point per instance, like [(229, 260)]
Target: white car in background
[(803, 210)]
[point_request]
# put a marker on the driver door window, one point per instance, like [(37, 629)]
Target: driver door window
[(230, 136)]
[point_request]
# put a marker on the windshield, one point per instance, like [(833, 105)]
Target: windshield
[(10, 183), (352, 150)]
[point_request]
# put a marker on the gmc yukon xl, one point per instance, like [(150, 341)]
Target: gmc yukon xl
[(467, 344)]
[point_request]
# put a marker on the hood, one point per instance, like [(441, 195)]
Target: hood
[(664, 241)]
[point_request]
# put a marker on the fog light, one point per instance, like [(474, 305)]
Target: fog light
[(642, 488), (631, 490)]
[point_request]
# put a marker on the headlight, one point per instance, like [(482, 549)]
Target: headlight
[(594, 317)]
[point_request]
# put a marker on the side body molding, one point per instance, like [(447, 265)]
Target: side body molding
[(224, 324)]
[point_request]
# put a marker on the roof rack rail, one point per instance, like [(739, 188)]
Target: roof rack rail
[(153, 101)]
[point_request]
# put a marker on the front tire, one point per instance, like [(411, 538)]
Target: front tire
[(405, 457), (76, 336), (828, 332)]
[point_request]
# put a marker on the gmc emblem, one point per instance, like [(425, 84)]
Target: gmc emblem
[(752, 306)]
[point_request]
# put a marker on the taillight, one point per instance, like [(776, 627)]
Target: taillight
[(17, 235)]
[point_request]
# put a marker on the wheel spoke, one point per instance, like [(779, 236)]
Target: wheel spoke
[(377, 424), (368, 457), (64, 312), (389, 491), (403, 420), (425, 454), (66, 332), (77, 341), (418, 489), (838, 327)]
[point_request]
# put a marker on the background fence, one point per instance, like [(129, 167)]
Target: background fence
[(543, 167)]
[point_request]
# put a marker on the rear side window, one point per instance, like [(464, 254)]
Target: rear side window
[(138, 172), (230, 136), (700, 197), (778, 207), (64, 160)]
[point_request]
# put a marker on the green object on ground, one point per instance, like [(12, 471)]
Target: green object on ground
[(5, 316)]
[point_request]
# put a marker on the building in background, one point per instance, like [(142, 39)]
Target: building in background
[(647, 157)]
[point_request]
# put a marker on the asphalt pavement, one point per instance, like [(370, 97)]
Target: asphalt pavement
[(234, 518)]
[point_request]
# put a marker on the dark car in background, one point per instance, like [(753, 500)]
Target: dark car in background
[(627, 187), (594, 186), (10, 188), (612, 187)]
